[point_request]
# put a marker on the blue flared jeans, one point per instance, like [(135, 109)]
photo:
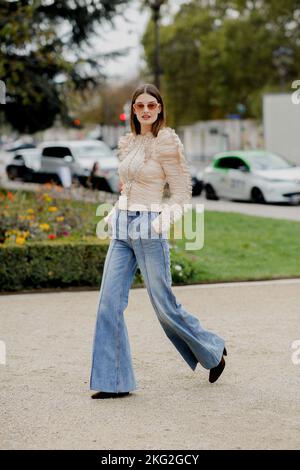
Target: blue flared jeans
[(132, 247)]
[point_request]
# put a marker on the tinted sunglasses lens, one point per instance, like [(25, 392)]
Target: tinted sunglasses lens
[(150, 106)]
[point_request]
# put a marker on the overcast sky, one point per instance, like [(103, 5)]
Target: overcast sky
[(128, 34)]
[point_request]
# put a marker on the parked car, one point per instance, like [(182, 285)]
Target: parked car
[(18, 145), (7, 151), (255, 175), (23, 164), (78, 156)]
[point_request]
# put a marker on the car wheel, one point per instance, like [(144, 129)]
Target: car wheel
[(197, 189), (210, 193), (257, 196), (28, 177), (12, 173)]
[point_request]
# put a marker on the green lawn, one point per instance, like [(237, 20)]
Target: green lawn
[(243, 247)]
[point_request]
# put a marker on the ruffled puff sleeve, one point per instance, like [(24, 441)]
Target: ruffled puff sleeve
[(169, 152)]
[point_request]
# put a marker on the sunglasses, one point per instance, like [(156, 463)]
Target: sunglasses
[(140, 106)]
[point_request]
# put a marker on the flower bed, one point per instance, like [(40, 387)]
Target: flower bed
[(42, 215)]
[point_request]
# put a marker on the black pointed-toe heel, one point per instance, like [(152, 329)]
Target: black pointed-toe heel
[(109, 394), (215, 372)]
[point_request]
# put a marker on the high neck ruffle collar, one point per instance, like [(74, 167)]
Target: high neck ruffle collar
[(147, 134)]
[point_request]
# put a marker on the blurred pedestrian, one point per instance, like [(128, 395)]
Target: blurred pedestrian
[(93, 178)]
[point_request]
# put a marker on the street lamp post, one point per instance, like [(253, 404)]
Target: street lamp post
[(155, 6), (283, 59), (241, 108)]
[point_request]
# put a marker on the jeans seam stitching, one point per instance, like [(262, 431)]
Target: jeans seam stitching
[(166, 266), (122, 293), (149, 283)]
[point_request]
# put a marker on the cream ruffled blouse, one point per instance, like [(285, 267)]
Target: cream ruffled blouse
[(146, 164)]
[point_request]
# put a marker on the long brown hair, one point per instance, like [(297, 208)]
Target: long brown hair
[(161, 118)]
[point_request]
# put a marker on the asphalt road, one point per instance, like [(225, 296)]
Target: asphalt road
[(45, 398), (276, 211)]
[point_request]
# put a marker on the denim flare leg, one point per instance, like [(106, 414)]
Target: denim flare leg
[(134, 244)]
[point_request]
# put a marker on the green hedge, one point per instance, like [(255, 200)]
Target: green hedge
[(42, 265), (65, 264)]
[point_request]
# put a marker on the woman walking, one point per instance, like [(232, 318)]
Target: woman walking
[(150, 155)]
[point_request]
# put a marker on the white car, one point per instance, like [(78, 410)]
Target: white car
[(252, 175), (52, 160), (81, 156)]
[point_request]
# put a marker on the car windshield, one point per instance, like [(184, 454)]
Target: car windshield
[(268, 161), (90, 151)]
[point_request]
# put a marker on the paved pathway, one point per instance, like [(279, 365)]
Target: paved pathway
[(45, 398)]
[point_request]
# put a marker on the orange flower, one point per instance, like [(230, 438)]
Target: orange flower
[(20, 240), (10, 195)]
